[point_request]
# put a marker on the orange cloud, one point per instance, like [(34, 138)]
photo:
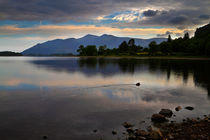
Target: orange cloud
[(80, 30)]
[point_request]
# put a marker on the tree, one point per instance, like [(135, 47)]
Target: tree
[(102, 49), (153, 47), (169, 38), (186, 36), (131, 42), (123, 48), (91, 50), (81, 50)]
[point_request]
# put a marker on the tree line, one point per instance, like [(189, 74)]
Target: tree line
[(199, 45)]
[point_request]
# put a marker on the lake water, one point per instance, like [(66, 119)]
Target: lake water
[(66, 98)]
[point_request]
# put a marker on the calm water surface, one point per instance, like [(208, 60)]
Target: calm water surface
[(67, 98)]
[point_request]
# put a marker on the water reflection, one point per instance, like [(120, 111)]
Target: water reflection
[(198, 69), (67, 98)]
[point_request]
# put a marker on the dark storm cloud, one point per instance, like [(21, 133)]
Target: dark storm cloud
[(150, 13), (204, 17), (179, 13), (179, 18)]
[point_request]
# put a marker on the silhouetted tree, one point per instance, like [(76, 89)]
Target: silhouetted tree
[(153, 47), (131, 42), (81, 50), (186, 36), (169, 38), (102, 50), (91, 50), (123, 48)]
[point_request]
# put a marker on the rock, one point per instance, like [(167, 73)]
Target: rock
[(127, 125), (130, 130), (166, 112), (189, 108), (131, 138), (141, 133), (154, 135), (149, 128), (44, 137), (178, 108), (141, 138), (158, 118), (138, 84), (170, 137), (114, 133)]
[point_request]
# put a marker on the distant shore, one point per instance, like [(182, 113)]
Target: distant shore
[(151, 57), (135, 57)]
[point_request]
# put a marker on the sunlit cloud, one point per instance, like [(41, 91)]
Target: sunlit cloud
[(80, 30)]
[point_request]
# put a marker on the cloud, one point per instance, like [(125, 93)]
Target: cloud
[(165, 34), (128, 16), (150, 13), (178, 18), (177, 33), (78, 31), (65, 10)]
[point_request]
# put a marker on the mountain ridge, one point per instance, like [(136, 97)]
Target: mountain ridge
[(70, 45)]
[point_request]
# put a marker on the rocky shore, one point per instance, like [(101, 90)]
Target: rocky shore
[(163, 129), (189, 129)]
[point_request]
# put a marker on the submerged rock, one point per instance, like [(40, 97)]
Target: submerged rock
[(158, 118), (189, 108), (178, 108), (166, 112)]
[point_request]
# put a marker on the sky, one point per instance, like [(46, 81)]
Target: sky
[(24, 23)]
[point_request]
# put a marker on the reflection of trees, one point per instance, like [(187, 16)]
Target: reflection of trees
[(87, 62), (108, 67)]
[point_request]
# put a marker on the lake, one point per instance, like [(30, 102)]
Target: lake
[(66, 98)]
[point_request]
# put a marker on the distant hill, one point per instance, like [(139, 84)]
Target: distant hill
[(8, 53), (70, 46)]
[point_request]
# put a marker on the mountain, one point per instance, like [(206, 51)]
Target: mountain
[(60, 46)]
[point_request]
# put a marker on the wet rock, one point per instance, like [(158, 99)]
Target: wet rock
[(189, 108), (114, 133), (131, 138), (141, 133), (158, 118), (178, 108), (130, 130), (127, 125), (149, 128), (138, 84), (141, 138), (166, 112), (154, 135)]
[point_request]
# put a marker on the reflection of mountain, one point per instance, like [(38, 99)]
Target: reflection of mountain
[(108, 67)]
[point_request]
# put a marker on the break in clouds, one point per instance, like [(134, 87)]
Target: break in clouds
[(173, 13)]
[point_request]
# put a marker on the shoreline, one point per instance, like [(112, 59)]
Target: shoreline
[(162, 128), (131, 57), (192, 129)]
